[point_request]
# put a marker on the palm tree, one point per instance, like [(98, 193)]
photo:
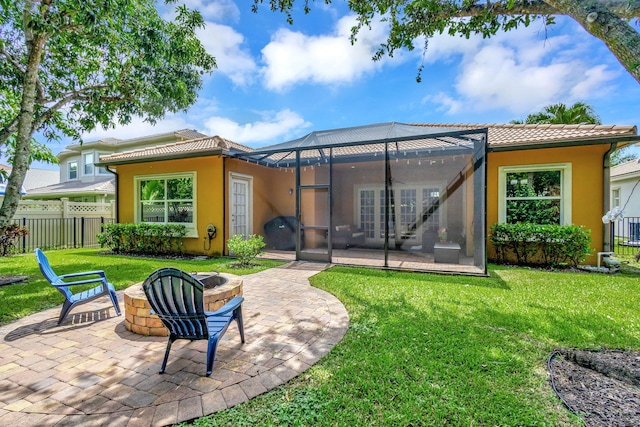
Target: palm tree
[(578, 113)]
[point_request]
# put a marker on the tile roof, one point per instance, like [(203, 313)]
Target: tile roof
[(102, 186), (508, 135), (501, 136), (628, 168), (210, 144), (36, 177)]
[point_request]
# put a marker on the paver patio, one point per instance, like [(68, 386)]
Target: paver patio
[(91, 371)]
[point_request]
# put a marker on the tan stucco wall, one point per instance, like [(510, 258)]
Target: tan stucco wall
[(271, 197), (586, 190), (209, 197)]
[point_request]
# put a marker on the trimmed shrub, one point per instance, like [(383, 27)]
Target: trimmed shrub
[(534, 244), (246, 251), (8, 237), (144, 238)]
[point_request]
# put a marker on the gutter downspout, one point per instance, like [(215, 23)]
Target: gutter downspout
[(117, 193), (606, 200)]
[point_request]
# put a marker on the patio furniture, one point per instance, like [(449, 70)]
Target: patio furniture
[(446, 253), (176, 297), (347, 236), (64, 287)]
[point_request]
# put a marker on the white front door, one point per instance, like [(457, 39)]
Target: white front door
[(240, 208)]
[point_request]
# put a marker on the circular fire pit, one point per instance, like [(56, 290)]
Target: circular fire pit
[(219, 289)]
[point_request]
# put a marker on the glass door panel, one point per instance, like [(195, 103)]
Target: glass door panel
[(314, 223)]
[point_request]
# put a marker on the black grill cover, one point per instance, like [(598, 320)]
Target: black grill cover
[(281, 233)]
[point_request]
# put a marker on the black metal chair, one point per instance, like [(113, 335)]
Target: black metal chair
[(72, 299), (177, 299)]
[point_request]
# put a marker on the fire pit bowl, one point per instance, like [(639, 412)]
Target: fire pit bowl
[(219, 289), (211, 281)]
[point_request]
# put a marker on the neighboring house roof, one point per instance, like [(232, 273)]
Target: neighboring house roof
[(211, 145), (34, 178), (500, 137), (113, 144), (629, 169), (78, 188)]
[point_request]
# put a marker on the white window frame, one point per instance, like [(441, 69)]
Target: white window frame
[(85, 164), (419, 187), (192, 227), (69, 170), (249, 179), (101, 170), (615, 190), (565, 187)]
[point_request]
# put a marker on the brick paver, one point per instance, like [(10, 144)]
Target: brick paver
[(92, 371)]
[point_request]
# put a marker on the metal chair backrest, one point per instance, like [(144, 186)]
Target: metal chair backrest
[(176, 298)]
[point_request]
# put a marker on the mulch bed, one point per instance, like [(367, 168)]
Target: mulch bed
[(602, 387)]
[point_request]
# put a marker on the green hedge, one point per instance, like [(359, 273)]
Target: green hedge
[(144, 238), (533, 244)]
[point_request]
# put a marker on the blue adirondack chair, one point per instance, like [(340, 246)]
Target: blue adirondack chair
[(64, 287), (177, 298)]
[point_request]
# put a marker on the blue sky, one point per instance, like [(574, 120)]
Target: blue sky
[(276, 81)]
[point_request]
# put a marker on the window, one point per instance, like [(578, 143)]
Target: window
[(88, 164), (539, 194), (166, 199), (615, 198), (73, 170), (101, 170)]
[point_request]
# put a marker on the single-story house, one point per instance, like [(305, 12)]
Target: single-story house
[(413, 196)]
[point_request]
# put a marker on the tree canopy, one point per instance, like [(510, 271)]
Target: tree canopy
[(609, 20), (68, 66), (578, 113)]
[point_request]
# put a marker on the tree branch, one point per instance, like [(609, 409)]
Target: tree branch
[(623, 8), (8, 130), (12, 60)]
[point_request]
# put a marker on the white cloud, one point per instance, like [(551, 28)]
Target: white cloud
[(596, 80), (496, 78), (225, 44), (273, 126), (292, 57), (519, 72)]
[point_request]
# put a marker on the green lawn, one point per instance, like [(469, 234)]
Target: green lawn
[(36, 294), (421, 349), (444, 350)]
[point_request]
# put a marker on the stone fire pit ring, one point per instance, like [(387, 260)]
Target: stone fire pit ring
[(219, 289)]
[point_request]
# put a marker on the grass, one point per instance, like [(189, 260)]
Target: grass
[(447, 350), (421, 349), (36, 294)]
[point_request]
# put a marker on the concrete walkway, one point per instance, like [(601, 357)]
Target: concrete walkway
[(91, 371)]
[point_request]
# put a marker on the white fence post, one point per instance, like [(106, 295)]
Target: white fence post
[(65, 207)]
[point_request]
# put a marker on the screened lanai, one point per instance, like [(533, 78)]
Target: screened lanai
[(388, 195)]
